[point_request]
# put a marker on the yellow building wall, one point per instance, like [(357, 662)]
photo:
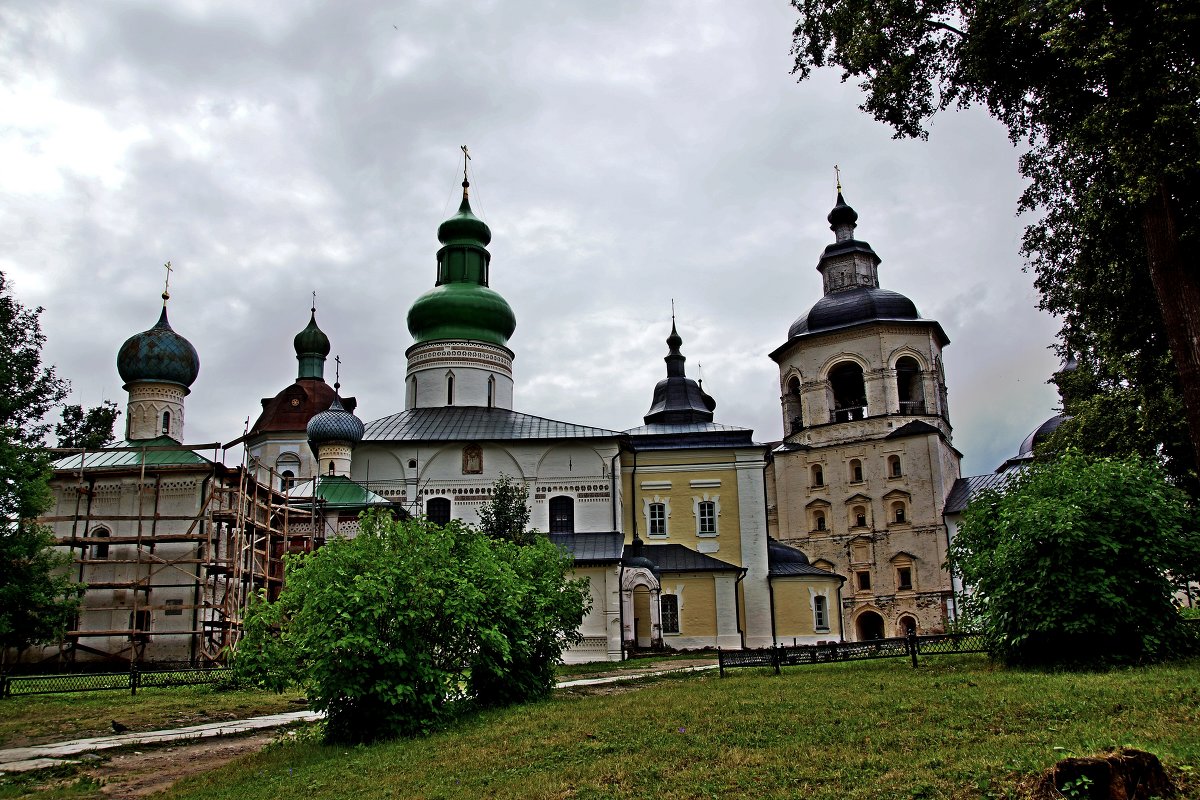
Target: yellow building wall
[(794, 608), (668, 476), (697, 603)]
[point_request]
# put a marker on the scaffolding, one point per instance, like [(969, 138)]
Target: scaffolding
[(211, 559)]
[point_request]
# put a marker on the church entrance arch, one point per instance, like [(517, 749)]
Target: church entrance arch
[(640, 610), (869, 625)]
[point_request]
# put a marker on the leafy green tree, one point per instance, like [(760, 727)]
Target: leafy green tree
[(89, 429), (36, 601), (387, 629), (1075, 561), (1104, 95), (506, 514)]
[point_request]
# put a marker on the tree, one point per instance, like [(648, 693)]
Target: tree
[(1074, 562), (506, 514), (387, 629), (36, 601), (1105, 96), (89, 430)]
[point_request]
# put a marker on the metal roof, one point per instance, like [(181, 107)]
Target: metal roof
[(915, 428), (966, 489), (474, 423), (161, 451), (591, 548), (337, 491), (677, 558)]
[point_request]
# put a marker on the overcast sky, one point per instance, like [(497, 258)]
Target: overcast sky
[(625, 154)]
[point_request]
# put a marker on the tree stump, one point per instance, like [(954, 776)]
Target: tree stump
[(1122, 775)]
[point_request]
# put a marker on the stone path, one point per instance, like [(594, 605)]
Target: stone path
[(24, 759)]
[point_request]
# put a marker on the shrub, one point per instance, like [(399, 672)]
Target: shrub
[(1071, 563)]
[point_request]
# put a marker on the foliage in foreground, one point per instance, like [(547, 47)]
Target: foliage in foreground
[(35, 602), (388, 628), (88, 429), (954, 728), (1074, 562)]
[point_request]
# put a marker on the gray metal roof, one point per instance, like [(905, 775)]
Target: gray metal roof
[(474, 423), (664, 429), (966, 489), (677, 558), (591, 548)]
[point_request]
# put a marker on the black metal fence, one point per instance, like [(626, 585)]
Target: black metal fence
[(130, 679), (911, 646)]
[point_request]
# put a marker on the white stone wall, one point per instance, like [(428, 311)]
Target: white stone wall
[(481, 373), (148, 401)]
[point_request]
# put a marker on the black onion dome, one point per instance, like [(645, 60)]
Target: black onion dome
[(842, 214), (853, 306), (335, 425), (1042, 433), (159, 354), (678, 400)]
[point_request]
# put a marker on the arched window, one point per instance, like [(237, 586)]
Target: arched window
[(856, 471), (562, 514), (450, 389), (818, 476), (818, 520), (908, 386), (166, 422), (908, 626), (858, 516), (491, 391), (286, 479), (99, 550), (438, 510), (898, 513), (894, 469), (849, 392), (331, 468), (793, 407), (658, 519)]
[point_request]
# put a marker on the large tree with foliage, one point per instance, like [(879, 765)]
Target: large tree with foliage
[(1075, 562), (36, 600), (395, 629), (90, 429), (1105, 95)]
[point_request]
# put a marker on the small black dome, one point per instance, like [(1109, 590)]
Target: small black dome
[(861, 304), (780, 553), (1041, 434), (842, 214)]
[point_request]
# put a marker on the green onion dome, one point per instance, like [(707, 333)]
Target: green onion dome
[(312, 340), (461, 306), (159, 354), (334, 425)]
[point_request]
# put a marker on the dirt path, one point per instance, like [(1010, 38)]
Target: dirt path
[(137, 774)]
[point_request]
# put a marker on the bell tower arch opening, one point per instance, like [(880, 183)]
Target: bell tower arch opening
[(909, 389), (849, 390)]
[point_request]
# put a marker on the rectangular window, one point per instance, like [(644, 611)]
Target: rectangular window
[(668, 604), (708, 518), (904, 578), (658, 519), (864, 581), (820, 613), (174, 608)]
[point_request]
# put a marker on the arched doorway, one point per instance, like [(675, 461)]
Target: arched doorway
[(907, 625), (869, 625)]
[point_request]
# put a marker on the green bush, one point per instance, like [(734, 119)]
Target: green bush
[(1072, 563), (390, 628)]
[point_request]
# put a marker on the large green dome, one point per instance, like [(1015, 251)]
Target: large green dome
[(461, 311), (461, 306)]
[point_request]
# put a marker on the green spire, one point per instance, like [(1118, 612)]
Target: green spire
[(312, 346), (461, 306)]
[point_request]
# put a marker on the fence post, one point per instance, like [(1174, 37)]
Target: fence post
[(720, 664), (775, 651), (910, 641), (134, 679), (4, 685)]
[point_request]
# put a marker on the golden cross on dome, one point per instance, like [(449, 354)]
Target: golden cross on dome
[(166, 295)]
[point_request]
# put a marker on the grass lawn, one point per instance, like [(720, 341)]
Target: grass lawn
[(38, 719), (566, 672), (954, 728)]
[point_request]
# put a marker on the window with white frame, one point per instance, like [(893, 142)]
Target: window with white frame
[(821, 613), (707, 518), (668, 605), (658, 519)]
